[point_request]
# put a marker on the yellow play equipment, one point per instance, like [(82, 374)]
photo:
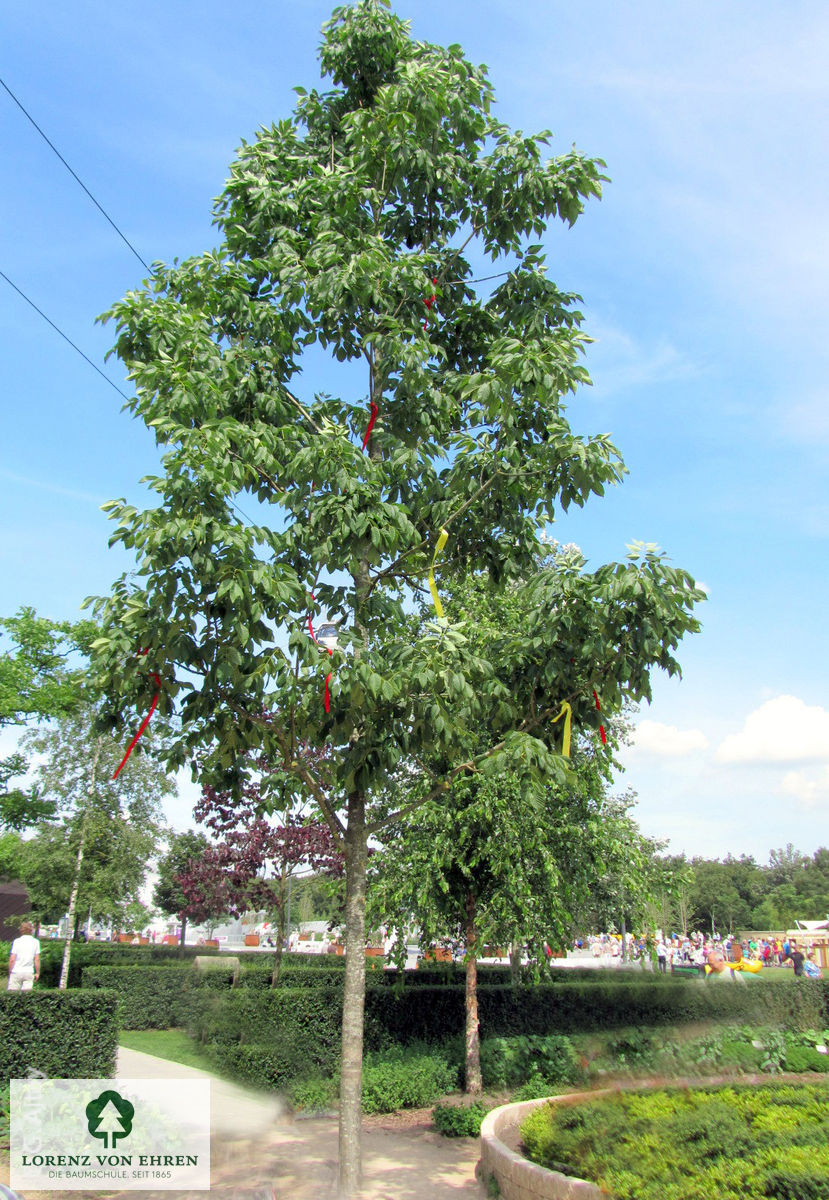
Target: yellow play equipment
[(744, 964)]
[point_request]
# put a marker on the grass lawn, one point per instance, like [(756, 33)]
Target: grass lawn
[(173, 1044)]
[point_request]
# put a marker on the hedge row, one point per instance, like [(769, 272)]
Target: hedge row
[(88, 954), (401, 1077), (434, 1014), (153, 997), (307, 998), (64, 1035)]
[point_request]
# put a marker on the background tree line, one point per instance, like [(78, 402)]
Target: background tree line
[(733, 893)]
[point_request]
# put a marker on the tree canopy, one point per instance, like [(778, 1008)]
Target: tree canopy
[(41, 677)]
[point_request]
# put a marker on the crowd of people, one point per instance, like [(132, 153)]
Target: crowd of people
[(719, 954)]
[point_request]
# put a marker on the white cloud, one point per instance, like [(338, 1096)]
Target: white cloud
[(783, 730), (810, 789), (666, 741)]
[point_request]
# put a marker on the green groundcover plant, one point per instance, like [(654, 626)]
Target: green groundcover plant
[(691, 1144)]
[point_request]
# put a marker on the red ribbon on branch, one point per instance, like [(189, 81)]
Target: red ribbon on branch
[(602, 733), (370, 426), (143, 724), (430, 302)]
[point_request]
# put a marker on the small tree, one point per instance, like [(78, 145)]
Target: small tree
[(108, 829), (209, 894), (183, 851), (258, 858)]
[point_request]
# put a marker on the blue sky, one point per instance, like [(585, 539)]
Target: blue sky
[(705, 284)]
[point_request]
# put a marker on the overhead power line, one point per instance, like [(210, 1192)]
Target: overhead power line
[(48, 321), (100, 208)]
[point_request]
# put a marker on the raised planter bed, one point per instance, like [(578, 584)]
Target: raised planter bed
[(518, 1178)]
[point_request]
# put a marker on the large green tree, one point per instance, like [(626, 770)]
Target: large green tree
[(353, 229)]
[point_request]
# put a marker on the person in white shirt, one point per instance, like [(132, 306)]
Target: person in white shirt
[(24, 960)]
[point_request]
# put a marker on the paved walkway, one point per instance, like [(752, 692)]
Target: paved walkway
[(260, 1152)]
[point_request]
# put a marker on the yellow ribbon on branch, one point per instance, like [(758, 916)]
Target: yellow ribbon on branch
[(442, 540), (567, 713)]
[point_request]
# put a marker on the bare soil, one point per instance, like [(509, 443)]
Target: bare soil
[(404, 1158)]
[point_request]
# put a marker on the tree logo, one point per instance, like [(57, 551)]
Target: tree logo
[(110, 1116)]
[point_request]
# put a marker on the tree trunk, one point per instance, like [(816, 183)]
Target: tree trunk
[(474, 1080), (280, 930), (70, 919), (183, 932), (351, 1079), (76, 882), (515, 963)]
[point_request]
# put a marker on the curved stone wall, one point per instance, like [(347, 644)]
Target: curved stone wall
[(516, 1176)]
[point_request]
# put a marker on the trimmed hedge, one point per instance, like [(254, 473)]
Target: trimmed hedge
[(66, 1035), (110, 954), (437, 1013), (554, 1008), (279, 1017), (155, 997), (295, 958)]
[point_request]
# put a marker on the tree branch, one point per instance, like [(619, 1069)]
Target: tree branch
[(390, 570), (471, 766)]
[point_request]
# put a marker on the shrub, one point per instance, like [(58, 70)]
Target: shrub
[(279, 1016), (406, 1078), (805, 1058), (689, 1144), (270, 1067), (112, 954), (741, 1055), (259, 978), (256, 1015), (66, 1035), (510, 1062), (5, 1113), (403, 1077), (316, 962), (459, 1120), (570, 1008), (314, 1095)]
